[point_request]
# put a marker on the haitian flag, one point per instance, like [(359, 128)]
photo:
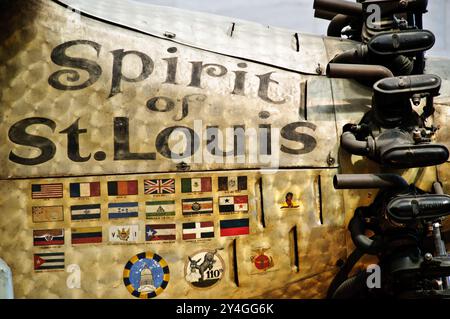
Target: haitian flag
[(234, 227)]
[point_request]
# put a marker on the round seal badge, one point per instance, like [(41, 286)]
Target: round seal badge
[(146, 275), (204, 269)]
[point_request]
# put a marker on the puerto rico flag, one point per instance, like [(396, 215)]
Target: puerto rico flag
[(159, 186), (159, 232)]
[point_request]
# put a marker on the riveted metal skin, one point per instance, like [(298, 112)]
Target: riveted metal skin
[(116, 129)]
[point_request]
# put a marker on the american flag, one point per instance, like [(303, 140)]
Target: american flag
[(46, 191), (159, 186)]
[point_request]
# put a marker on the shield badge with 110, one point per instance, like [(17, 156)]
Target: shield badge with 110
[(146, 275), (204, 269)]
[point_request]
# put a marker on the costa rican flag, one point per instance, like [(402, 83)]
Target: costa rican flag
[(159, 186)]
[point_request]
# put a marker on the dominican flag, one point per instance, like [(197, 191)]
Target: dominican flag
[(48, 237), (198, 230), (122, 188), (85, 189), (49, 261), (159, 186), (233, 204), (122, 210), (85, 212), (231, 184), (193, 185), (234, 227)]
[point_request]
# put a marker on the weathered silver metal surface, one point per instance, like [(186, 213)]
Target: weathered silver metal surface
[(305, 241), (229, 36), (319, 245), (268, 97)]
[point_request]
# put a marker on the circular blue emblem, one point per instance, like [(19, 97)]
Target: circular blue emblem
[(146, 275)]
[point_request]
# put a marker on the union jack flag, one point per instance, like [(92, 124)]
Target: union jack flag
[(159, 186)]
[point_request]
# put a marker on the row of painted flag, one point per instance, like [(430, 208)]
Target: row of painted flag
[(153, 209), (153, 232), (151, 186), (128, 234)]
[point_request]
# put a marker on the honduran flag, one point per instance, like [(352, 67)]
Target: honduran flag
[(85, 189), (122, 210), (234, 227), (192, 185), (122, 188)]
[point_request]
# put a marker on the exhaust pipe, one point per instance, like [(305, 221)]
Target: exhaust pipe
[(338, 22), (366, 181), (372, 73), (353, 146), (339, 6), (326, 15), (437, 186)]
